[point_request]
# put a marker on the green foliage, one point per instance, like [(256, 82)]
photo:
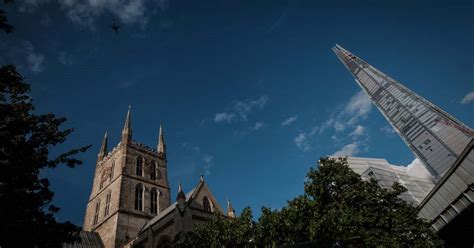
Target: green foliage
[(338, 209), (27, 215), (222, 231), (4, 25)]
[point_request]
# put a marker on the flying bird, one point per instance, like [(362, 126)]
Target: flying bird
[(115, 27)]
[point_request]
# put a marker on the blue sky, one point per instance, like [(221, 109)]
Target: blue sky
[(249, 94)]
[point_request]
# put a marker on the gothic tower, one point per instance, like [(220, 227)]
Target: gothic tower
[(130, 187)]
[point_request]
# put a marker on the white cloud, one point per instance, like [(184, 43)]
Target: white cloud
[(313, 131), (245, 107), (359, 106), (241, 110), (289, 121), (301, 142), (208, 162), (85, 12), (258, 125), (389, 130), (348, 150), (358, 131), (417, 169), (468, 98), (34, 60), (224, 117), (65, 58), (31, 5)]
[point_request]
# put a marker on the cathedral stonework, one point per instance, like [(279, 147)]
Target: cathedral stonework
[(130, 203)]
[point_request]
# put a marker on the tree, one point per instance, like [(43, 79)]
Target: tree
[(222, 231), (350, 211), (4, 25), (338, 209), (27, 215)]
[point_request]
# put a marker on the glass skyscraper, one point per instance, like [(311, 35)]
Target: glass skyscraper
[(435, 137)]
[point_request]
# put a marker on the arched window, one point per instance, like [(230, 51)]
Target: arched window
[(139, 197), (107, 204), (96, 214), (153, 170), (154, 201), (206, 204), (139, 167)]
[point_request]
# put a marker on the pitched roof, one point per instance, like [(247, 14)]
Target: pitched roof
[(190, 196), (168, 210)]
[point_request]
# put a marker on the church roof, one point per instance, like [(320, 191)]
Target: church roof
[(168, 210), (190, 196)]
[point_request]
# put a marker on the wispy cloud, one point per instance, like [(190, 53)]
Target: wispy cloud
[(224, 117), (344, 123), (85, 12), (30, 5), (208, 162), (468, 98), (34, 60), (196, 154), (258, 125), (289, 121), (358, 131), (241, 110), (65, 58), (388, 130), (245, 107), (349, 150), (301, 141), (358, 107)]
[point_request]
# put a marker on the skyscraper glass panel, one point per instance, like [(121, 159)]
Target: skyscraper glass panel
[(435, 137)]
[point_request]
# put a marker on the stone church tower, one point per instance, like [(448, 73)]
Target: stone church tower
[(130, 187)]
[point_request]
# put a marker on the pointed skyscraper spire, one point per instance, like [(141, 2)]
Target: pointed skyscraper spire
[(127, 128), (161, 149), (103, 148)]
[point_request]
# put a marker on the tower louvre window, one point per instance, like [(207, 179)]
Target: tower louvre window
[(139, 166), (107, 204), (139, 197), (153, 170), (96, 214), (154, 201)]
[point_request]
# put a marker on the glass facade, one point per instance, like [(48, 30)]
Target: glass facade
[(435, 137)]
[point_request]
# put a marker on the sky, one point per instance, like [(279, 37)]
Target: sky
[(249, 93)]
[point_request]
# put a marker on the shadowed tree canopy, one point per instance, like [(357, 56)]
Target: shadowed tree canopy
[(338, 209), (27, 215), (4, 25)]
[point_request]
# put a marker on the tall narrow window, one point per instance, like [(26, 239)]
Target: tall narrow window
[(107, 204), (96, 214), (112, 168), (139, 166), (139, 197), (154, 201), (153, 170), (206, 204)]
